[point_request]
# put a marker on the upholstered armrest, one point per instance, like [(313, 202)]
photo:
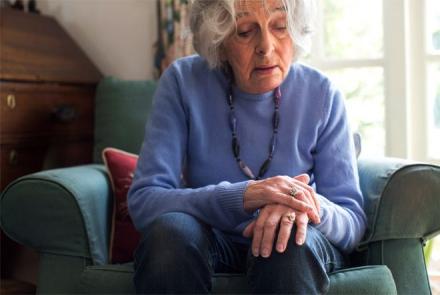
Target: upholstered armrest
[(62, 211), (402, 199)]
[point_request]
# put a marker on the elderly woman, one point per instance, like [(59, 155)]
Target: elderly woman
[(248, 163)]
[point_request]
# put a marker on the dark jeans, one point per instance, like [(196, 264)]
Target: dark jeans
[(178, 254)]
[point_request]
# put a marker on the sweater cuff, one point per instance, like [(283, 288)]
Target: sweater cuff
[(230, 198), (326, 207)]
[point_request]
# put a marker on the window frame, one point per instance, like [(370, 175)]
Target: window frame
[(405, 64), (420, 59)]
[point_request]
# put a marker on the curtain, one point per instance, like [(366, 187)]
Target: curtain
[(174, 38)]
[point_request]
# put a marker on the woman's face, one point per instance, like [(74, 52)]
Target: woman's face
[(260, 51)]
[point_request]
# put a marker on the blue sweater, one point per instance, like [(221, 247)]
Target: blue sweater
[(188, 133)]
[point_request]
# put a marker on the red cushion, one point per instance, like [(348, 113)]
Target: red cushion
[(124, 237)]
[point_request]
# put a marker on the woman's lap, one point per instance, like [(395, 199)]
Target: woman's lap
[(178, 253)]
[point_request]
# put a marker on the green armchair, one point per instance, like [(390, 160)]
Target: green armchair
[(65, 214)]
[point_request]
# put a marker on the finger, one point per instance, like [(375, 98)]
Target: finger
[(311, 197), (258, 232), (286, 225), (270, 228), (249, 230), (258, 194), (304, 178), (304, 196), (287, 200), (301, 228), (312, 193), (314, 217)]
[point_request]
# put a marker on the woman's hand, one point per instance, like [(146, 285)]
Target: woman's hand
[(277, 190), (264, 228)]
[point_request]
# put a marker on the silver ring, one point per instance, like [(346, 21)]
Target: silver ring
[(291, 217), (294, 191)]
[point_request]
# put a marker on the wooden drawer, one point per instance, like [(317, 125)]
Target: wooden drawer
[(19, 160), (45, 109)]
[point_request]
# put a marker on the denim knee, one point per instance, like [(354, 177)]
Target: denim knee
[(300, 269), (312, 244), (173, 255)]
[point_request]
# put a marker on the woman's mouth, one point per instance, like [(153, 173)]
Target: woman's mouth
[(264, 70)]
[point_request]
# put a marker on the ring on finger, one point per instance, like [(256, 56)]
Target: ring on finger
[(290, 217), (293, 191)]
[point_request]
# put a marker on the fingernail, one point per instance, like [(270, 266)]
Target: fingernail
[(255, 252), (300, 241), (280, 248), (265, 253)]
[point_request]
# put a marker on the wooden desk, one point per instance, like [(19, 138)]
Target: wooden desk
[(47, 89)]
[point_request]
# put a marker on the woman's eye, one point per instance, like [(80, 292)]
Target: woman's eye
[(244, 34), (280, 26)]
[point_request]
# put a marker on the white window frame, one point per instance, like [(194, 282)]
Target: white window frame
[(420, 59), (405, 65)]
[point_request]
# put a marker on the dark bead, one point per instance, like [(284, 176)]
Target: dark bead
[(277, 97), (276, 119), (264, 168), (273, 144), (233, 122), (235, 147), (278, 93), (246, 170)]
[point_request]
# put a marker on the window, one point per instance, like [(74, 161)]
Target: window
[(433, 70), (385, 57), (348, 47), (374, 51), (434, 110)]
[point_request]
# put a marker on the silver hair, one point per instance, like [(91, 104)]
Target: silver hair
[(212, 21)]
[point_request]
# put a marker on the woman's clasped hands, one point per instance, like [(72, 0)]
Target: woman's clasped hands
[(283, 201)]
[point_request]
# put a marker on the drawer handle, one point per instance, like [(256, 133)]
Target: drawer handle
[(64, 114), (13, 157), (10, 100)]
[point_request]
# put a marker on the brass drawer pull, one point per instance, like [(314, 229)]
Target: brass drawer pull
[(10, 100), (13, 157)]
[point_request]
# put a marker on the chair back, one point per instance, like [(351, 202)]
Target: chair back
[(121, 112)]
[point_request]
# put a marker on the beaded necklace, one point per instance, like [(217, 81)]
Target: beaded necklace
[(273, 142)]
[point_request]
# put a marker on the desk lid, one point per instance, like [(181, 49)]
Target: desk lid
[(36, 48)]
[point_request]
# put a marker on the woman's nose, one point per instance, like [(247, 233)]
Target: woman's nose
[(265, 43)]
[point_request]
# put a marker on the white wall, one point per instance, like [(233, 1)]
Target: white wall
[(117, 35)]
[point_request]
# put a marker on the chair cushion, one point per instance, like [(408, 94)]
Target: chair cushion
[(118, 278)]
